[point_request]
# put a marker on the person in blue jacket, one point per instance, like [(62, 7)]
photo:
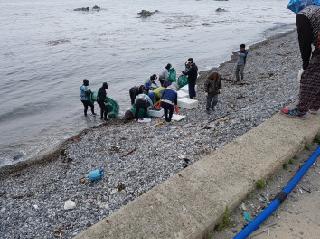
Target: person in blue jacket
[(168, 102), (85, 93)]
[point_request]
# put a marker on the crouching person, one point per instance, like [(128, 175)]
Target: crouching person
[(143, 102), (102, 96), (212, 87), (168, 102)]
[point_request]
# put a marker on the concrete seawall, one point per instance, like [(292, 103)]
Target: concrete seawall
[(189, 204)]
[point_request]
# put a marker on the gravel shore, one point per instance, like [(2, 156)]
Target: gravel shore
[(137, 157)]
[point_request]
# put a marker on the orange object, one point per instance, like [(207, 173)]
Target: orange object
[(157, 105), (176, 109)]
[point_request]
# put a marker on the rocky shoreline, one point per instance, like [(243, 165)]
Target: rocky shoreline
[(136, 157)]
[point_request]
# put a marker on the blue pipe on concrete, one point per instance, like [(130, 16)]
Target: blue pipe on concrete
[(273, 206)]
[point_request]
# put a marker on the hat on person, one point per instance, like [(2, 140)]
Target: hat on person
[(85, 82), (297, 5), (190, 60), (168, 66), (153, 77), (105, 85)]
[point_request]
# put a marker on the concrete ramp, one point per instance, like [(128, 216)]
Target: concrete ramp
[(188, 205)]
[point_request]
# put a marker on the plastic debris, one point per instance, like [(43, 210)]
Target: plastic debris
[(144, 120), (69, 205), (96, 175), (247, 216)]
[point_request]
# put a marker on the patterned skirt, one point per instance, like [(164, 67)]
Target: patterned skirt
[(309, 97)]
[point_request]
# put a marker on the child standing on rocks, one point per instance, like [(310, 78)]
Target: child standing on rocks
[(212, 87), (241, 62)]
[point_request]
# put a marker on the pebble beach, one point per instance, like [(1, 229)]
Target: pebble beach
[(136, 157)]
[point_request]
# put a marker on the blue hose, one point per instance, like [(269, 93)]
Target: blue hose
[(273, 206)]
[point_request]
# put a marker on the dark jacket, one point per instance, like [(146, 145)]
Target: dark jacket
[(170, 96), (212, 87), (192, 73), (308, 28), (102, 94)]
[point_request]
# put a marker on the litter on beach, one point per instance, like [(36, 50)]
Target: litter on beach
[(178, 117), (144, 120)]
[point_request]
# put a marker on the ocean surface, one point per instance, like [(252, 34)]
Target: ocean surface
[(47, 49)]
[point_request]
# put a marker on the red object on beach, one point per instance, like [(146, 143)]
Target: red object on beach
[(176, 109), (157, 105), (285, 110)]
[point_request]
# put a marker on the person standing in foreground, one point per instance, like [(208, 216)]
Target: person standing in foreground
[(85, 93), (308, 28), (168, 102), (212, 87), (241, 62), (192, 74), (102, 96)]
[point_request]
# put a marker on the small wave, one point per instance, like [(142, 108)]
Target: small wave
[(31, 108)]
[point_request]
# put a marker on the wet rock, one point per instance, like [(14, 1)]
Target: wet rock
[(221, 10), (83, 9), (96, 8), (145, 13), (121, 187)]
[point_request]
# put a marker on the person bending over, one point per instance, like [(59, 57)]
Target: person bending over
[(168, 102), (143, 102), (134, 91)]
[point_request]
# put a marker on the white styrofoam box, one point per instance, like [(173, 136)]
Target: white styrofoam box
[(178, 117), (187, 103), (182, 94), (156, 113), (186, 88)]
